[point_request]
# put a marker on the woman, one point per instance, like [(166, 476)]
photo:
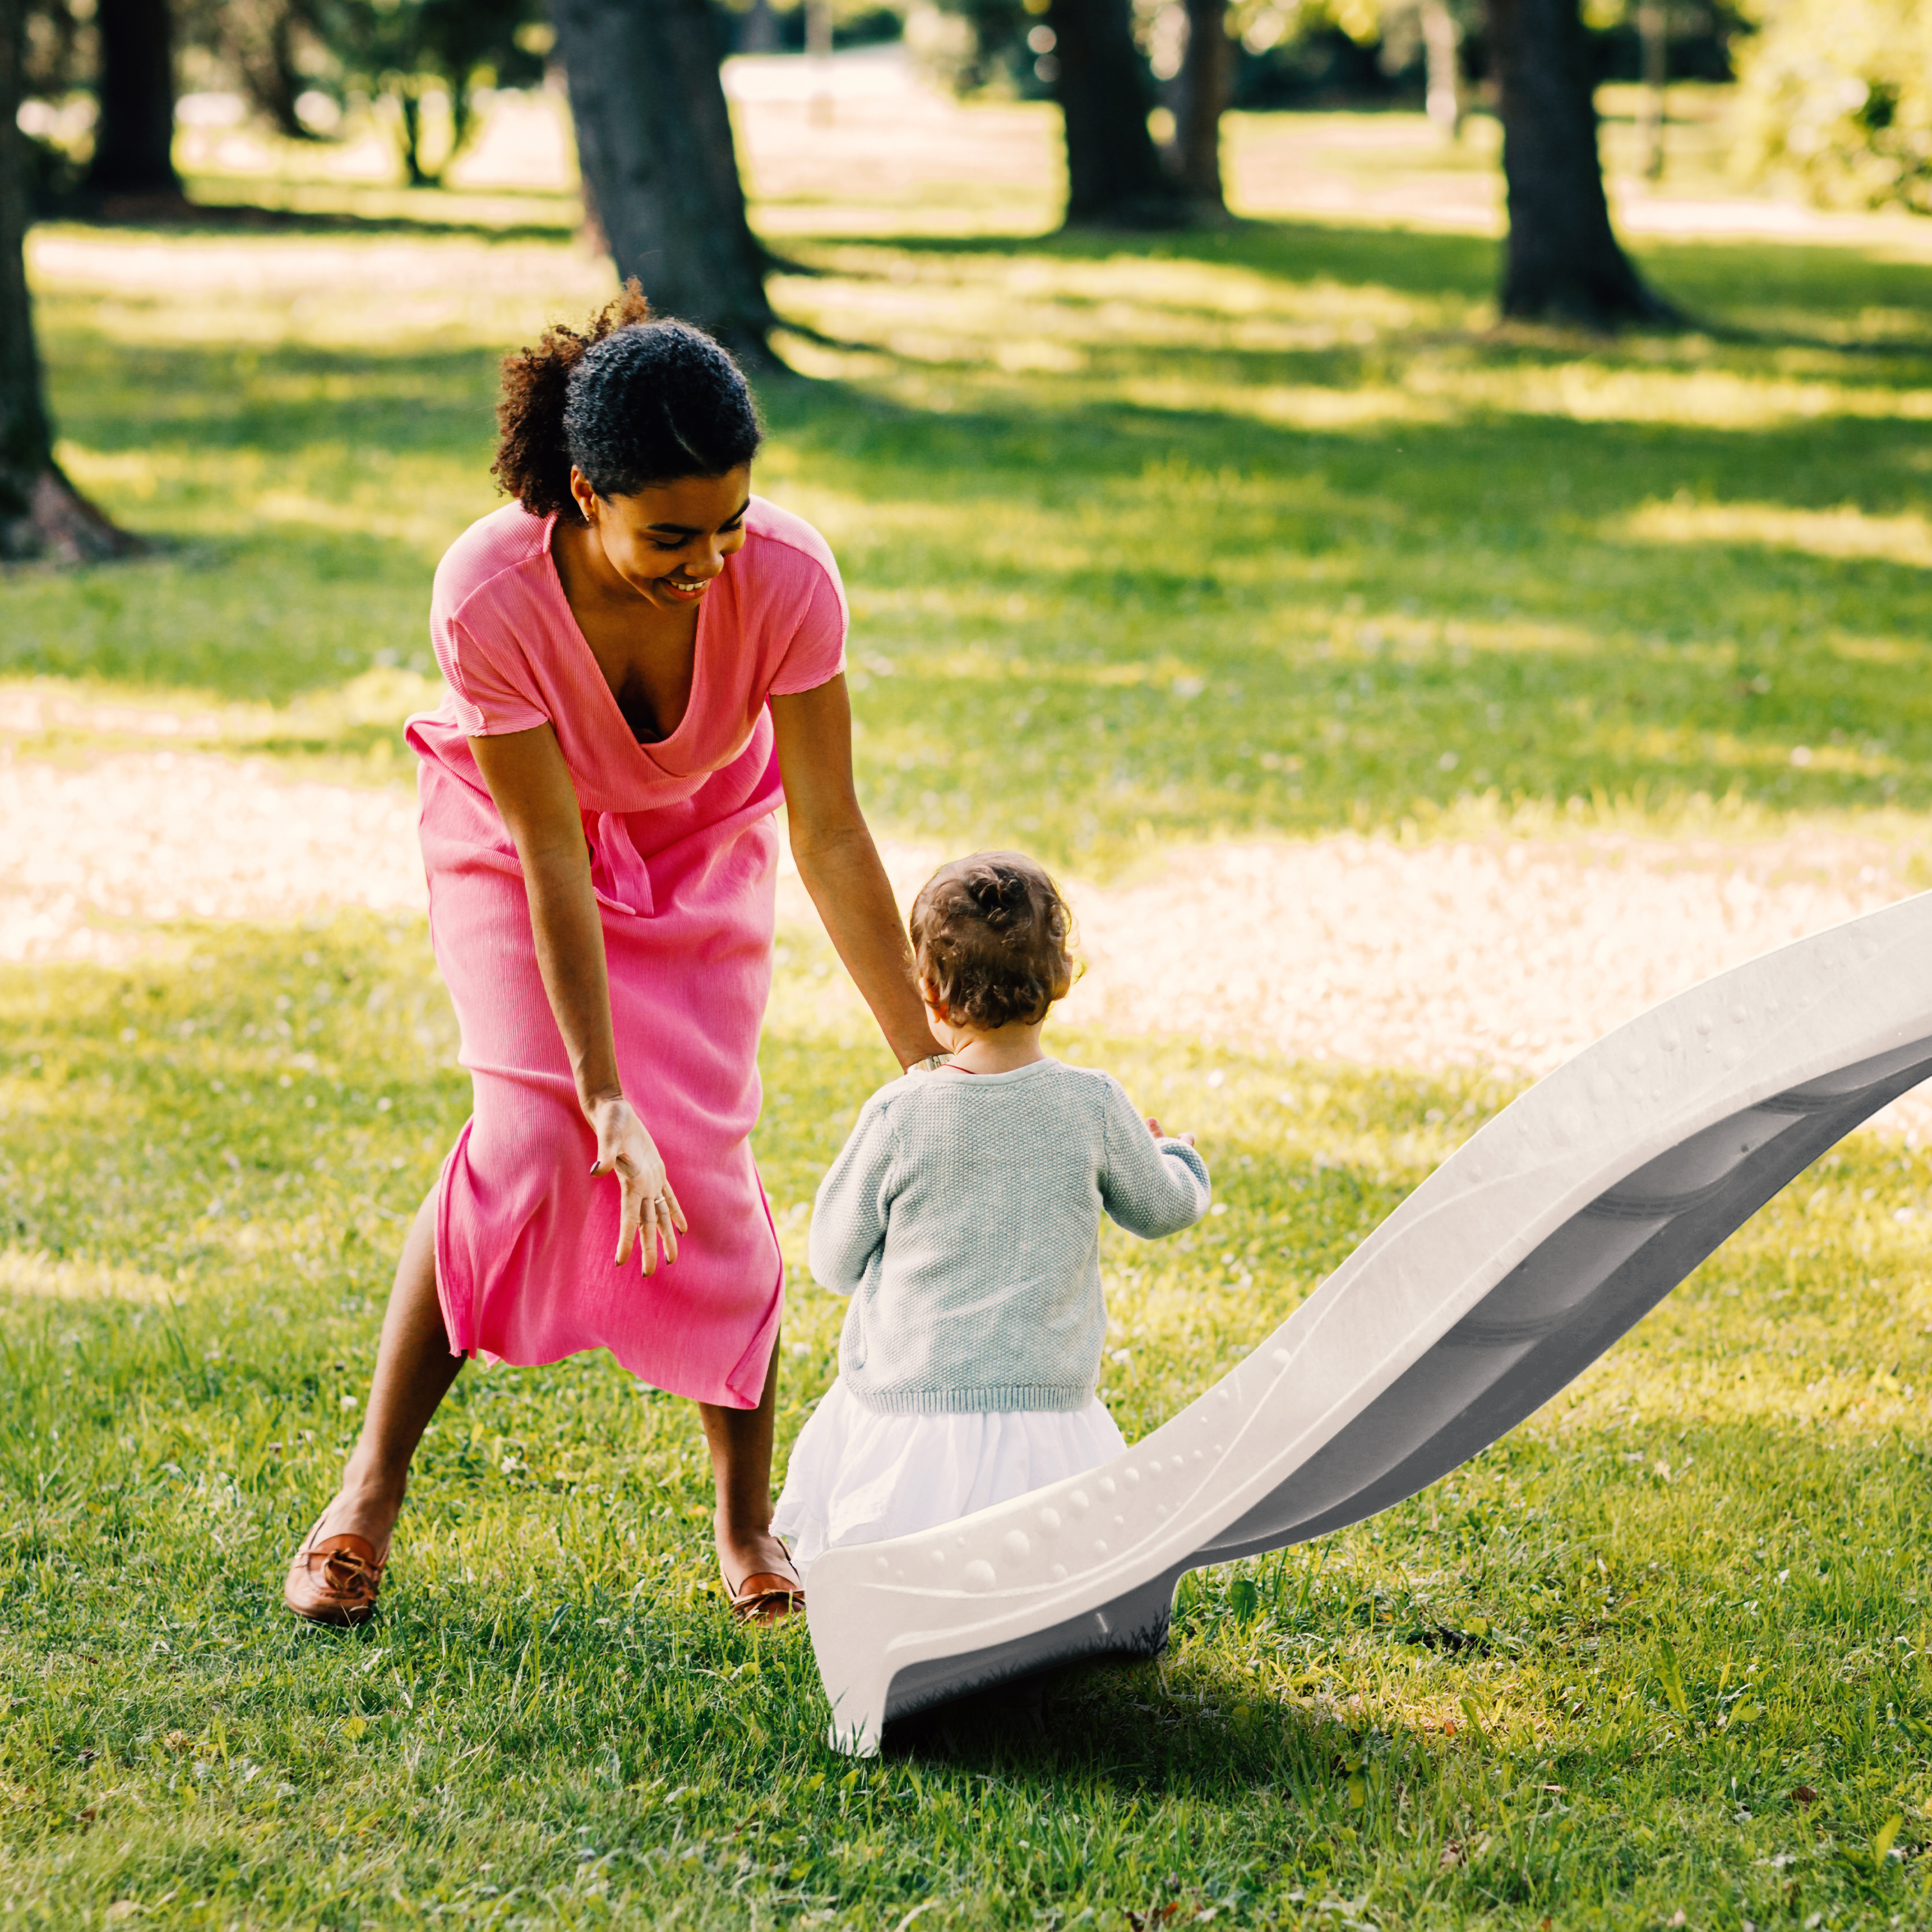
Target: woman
[(643, 659)]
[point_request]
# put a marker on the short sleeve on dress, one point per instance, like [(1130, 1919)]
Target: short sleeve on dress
[(816, 654), (487, 704)]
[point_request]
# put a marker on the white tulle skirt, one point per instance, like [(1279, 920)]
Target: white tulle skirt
[(858, 1476)]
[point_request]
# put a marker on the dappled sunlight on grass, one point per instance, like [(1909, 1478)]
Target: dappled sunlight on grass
[(1847, 531), (1257, 531)]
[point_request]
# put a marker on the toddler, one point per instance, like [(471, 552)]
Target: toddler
[(963, 1218)]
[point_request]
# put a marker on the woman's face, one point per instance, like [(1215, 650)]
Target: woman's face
[(669, 542)]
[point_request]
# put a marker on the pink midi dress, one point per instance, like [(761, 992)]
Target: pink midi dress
[(684, 849)]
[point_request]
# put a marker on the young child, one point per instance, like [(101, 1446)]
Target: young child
[(963, 1218)]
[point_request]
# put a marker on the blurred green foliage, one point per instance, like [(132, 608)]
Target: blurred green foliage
[(1837, 95)]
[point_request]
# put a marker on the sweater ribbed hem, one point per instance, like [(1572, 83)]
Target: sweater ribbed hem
[(993, 1400)]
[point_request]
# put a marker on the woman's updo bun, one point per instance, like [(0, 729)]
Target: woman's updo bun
[(628, 401)]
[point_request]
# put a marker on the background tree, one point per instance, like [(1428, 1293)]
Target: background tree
[(1202, 89), (1114, 174), (133, 143), (271, 47), (40, 512), (405, 50), (1562, 263), (654, 142)]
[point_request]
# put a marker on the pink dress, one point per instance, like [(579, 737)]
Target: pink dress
[(684, 851)]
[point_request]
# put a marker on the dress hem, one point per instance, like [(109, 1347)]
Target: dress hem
[(462, 1332)]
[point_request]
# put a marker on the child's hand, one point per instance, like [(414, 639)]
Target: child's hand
[(1159, 1133)]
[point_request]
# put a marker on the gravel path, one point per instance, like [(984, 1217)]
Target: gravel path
[(1502, 954)]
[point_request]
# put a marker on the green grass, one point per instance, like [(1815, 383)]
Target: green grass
[(1269, 531), (1259, 533), (1577, 1681)]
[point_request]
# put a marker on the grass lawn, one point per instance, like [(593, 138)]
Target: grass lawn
[(1267, 532), (1581, 1680)]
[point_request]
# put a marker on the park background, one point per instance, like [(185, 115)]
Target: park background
[(1407, 695)]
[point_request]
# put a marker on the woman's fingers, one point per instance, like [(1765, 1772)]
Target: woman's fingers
[(648, 1210), (630, 1209), (648, 1230)]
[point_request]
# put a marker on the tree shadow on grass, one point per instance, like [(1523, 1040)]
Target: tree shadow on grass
[(1725, 283)]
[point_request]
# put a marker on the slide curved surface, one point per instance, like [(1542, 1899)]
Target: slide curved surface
[(1505, 1274)]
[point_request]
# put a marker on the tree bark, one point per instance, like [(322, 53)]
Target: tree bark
[(41, 512), (1115, 177), (133, 149), (1202, 90), (1562, 263), (654, 143)]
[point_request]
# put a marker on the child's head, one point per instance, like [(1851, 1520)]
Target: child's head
[(990, 934)]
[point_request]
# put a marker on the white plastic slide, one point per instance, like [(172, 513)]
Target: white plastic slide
[(1504, 1275)]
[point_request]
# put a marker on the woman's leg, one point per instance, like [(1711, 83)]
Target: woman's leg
[(740, 1441), (414, 1368)]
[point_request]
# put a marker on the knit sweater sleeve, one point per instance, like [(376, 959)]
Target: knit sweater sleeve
[(1151, 1187), (848, 1218)]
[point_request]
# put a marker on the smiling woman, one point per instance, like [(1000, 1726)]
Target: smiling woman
[(643, 658)]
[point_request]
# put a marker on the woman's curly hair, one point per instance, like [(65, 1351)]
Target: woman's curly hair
[(991, 936), (629, 400)]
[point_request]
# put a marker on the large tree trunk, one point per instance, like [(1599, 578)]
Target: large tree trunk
[(134, 149), (1202, 90), (654, 142), (41, 512), (1563, 262), (1115, 177)]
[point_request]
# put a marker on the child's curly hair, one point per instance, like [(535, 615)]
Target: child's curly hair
[(991, 934), (629, 400)]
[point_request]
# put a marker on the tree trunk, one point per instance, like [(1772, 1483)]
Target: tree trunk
[(654, 143), (1653, 32), (41, 512), (261, 42), (1442, 53), (408, 135), (1202, 86), (1563, 262), (1115, 177), (134, 149)]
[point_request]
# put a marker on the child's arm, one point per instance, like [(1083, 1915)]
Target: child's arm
[(1151, 1187), (848, 1219)]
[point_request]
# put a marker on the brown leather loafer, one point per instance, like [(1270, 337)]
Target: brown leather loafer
[(766, 1597), (334, 1580)]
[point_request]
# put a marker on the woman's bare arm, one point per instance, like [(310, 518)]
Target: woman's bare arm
[(528, 778), (840, 864)]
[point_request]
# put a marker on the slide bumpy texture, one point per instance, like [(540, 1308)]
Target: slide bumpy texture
[(1502, 1277)]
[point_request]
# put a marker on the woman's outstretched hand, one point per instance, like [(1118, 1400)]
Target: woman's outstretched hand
[(648, 1205)]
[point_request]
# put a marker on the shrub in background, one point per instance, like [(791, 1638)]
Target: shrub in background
[(1837, 95)]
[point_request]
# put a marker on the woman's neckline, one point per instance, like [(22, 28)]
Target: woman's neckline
[(648, 746)]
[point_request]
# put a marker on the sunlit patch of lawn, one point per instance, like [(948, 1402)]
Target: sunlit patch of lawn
[(1257, 532), (1663, 1647)]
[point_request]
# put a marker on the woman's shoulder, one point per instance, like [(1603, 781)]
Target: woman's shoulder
[(786, 544), (507, 542)]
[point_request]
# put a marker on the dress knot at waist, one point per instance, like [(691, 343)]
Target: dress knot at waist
[(618, 874)]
